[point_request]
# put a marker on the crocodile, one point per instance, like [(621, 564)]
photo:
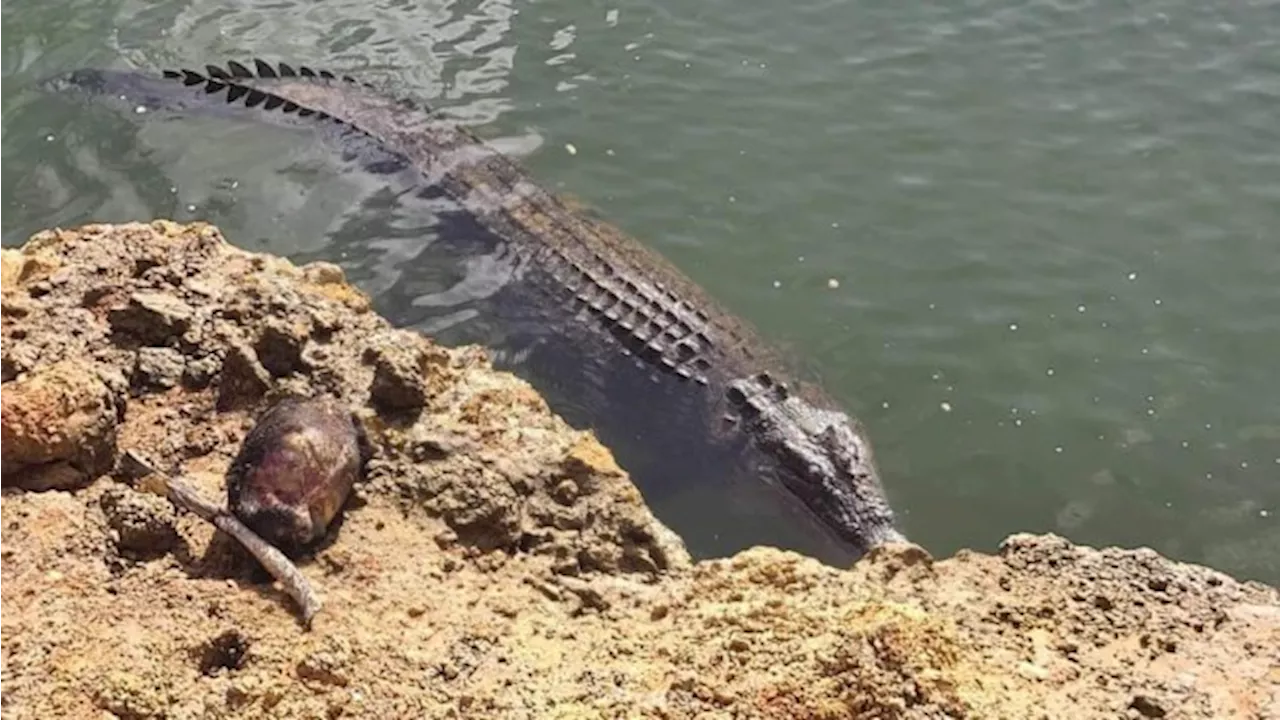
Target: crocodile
[(698, 381)]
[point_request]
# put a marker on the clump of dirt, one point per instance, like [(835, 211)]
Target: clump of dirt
[(493, 562)]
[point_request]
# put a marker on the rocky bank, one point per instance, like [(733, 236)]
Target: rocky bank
[(495, 562)]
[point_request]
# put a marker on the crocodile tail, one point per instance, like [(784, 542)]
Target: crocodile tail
[(234, 85), (228, 84)]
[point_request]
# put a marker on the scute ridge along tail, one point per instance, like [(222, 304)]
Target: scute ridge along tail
[(216, 79)]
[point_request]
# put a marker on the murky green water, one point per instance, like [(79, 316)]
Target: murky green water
[(1054, 228)]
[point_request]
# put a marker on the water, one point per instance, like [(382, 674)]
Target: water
[(1053, 226)]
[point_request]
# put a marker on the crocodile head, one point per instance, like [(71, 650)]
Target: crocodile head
[(822, 457)]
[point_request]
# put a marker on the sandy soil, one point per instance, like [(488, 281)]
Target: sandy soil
[(494, 562)]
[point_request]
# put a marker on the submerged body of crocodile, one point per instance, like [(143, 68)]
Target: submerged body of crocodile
[(672, 364)]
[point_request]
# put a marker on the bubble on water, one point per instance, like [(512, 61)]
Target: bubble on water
[(1151, 411), (946, 406), (777, 283), (1018, 422), (1049, 372), (835, 224), (609, 152), (932, 306), (1133, 276), (885, 404), (1080, 308), (1104, 323), (140, 109), (569, 148), (1186, 444), (1264, 513), (1244, 465), (1013, 327), (611, 18), (49, 138), (191, 208), (800, 259), (1158, 301), (1145, 351), (936, 376), (833, 283), (733, 199), (1058, 449)]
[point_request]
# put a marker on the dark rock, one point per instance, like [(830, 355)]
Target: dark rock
[(151, 318), (144, 523), (244, 380), (399, 377), (200, 372), (157, 369), (280, 347)]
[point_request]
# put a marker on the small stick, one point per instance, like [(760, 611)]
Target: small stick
[(280, 567)]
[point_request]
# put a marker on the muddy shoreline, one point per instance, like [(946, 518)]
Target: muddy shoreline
[(495, 562)]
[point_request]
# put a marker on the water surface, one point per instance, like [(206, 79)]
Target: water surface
[(1033, 246)]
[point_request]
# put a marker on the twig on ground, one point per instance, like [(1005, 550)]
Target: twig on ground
[(280, 567)]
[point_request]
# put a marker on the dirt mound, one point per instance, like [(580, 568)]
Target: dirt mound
[(494, 562)]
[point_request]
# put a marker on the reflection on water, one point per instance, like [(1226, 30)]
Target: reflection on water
[(1052, 229)]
